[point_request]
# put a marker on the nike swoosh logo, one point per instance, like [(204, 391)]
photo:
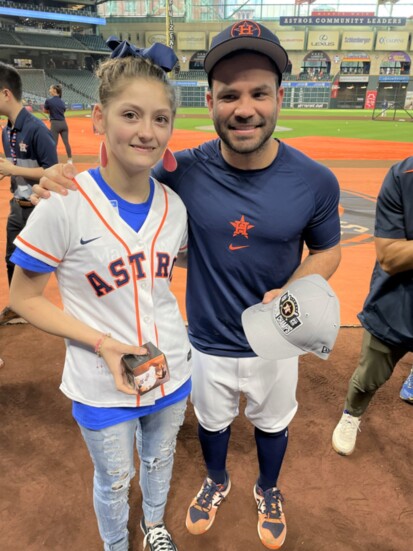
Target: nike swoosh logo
[(86, 241), (235, 248), (406, 171)]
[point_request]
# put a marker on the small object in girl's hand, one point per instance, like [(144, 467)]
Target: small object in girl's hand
[(147, 371)]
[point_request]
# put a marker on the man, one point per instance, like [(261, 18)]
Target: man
[(387, 315), (252, 203), (384, 105), (29, 148)]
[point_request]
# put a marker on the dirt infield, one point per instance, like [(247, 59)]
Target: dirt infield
[(360, 503), (332, 503)]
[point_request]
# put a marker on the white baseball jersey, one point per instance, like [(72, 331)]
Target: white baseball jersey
[(114, 279)]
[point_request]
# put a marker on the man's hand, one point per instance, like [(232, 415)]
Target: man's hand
[(271, 295), (58, 178), (6, 168)]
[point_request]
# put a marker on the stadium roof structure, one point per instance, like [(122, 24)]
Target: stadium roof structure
[(36, 12)]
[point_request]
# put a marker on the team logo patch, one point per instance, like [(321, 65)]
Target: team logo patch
[(241, 227), (245, 28), (288, 317), (23, 147)]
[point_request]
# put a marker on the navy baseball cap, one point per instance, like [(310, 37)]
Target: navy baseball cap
[(246, 35)]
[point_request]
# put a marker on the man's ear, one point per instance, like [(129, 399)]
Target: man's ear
[(98, 118), (7, 93), (209, 102)]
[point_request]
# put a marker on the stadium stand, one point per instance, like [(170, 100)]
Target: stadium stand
[(92, 42), (364, 67), (79, 86), (43, 7), (34, 83), (48, 41), (8, 38), (191, 75)]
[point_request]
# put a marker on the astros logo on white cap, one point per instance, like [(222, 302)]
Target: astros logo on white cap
[(288, 318)]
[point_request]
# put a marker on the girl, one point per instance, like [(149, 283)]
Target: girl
[(113, 246), (56, 108)]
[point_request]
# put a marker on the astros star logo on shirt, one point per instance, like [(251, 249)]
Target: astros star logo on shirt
[(242, 227)]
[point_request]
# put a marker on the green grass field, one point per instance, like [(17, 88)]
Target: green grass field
[(342, 125), (351, 123)]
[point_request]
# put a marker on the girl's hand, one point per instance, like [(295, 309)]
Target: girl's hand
[(112, 351)]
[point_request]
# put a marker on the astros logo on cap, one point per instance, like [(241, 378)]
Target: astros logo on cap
[(245, 28), (288, 309), (288, 318)]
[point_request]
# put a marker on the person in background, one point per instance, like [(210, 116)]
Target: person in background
[(387, 315), (113, 245), (384, 107), (56, 107), (29, 149)]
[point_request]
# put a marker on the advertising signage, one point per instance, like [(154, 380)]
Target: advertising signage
[(341, 20)]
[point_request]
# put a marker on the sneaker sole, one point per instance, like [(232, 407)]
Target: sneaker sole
[(15, 321), (407, 400), (340, 452)]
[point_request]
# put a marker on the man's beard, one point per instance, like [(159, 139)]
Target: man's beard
[(245, 146)]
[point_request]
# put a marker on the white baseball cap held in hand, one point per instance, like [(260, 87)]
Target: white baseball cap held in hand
[(304, 318)]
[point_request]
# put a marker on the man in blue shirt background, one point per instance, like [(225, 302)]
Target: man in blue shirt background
[(387, 315), (29, 148)]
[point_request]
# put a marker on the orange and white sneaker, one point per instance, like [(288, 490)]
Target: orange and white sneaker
[(203, 508), (272, 527)]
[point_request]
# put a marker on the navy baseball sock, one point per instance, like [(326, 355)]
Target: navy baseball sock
[(271, 448), (214, 448)]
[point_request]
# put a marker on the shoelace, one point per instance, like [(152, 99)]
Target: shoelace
[(206, 497), (159, 538), (272, 503)]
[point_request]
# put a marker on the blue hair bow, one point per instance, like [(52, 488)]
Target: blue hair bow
[(160, 54)]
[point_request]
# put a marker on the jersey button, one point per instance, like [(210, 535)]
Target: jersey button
[(147, 319)]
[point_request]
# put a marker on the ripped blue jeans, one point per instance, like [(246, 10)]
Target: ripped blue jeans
[(112, 450)]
